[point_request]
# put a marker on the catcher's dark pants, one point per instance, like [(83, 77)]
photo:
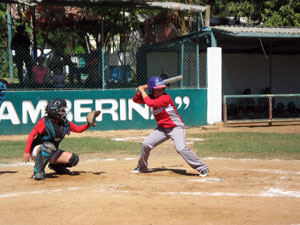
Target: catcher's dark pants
[(177, 134)]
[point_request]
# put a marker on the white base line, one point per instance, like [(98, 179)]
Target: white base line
[(284, 172), (17, 164), (207, 158), (272, 192)]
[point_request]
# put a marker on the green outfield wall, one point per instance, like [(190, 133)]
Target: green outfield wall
[(21, 110)]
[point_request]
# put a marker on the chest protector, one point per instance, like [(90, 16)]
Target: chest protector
[(55, 132)]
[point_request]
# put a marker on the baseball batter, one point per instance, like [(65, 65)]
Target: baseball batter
[(43, 141), (169, 125)]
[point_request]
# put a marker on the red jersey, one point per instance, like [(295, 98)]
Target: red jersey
[(163, 109), (40, 129)]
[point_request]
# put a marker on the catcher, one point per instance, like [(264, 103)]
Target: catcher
[(169, 125), (43, 141)]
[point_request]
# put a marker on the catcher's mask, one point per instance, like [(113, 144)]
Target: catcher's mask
[(57, 109), (155, 83)]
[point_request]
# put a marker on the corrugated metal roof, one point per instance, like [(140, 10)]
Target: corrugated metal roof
[(113, 3), (258, 31), (177, 6), (103, 3)]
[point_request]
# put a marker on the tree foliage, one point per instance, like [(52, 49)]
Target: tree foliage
[(3, 23), (275, 13)]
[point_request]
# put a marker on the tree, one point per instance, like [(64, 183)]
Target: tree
[(267, 13), (3, 22)]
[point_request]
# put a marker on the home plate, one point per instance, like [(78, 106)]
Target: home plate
[(208, 180)]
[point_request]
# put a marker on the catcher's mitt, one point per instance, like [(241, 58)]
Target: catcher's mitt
[(90, 118)]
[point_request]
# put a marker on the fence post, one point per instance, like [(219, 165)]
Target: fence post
[(10, 60), (182, 63), (198, 61), (270, 111), (102, 50), (225, 111)]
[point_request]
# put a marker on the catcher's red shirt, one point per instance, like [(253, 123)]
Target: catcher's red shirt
[(163, 109), (40, 129)]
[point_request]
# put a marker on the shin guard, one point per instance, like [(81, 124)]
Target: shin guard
[(40, 164), (47, 150)]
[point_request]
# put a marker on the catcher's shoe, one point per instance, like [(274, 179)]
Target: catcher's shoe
[(59, 168), (140, 170), (203, 173), (39, 176)]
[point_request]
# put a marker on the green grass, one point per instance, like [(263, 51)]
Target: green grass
[(248, 144), (15, 149), (227, 144), (12, 149)]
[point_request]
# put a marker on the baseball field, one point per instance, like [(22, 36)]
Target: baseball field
[(254, 179)]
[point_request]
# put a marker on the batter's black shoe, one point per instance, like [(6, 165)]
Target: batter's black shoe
[(203, 173), (59, 168), (140, 170)]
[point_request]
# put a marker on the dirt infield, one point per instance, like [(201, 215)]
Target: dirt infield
[(102, 190)]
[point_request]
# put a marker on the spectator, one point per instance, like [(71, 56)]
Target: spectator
[(232, 111), (39, 72), (58, 78), (59, 58), (267, 91), (279, 111), (21, 44), (74, 72), (264, 101), (94, 70), (56, 65), (292, 111), (262, 110), (247, 106), (56, 61)]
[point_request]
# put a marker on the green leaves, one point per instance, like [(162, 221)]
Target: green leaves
[(276, 13)]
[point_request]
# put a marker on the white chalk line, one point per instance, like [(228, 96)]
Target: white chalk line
[(17, 164), (129, 138), (247, 159), (144, 137), (208, 180), (272, 192), (89, 160), (112, 159), (283, 172), (207, 158)]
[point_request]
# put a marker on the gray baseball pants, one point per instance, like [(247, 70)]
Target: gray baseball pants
[(177, 134)]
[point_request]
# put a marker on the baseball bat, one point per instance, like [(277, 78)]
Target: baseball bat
[(170, 80), (173, 79)]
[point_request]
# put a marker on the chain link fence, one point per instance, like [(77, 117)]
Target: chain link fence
[(124, 58), (261, 108)]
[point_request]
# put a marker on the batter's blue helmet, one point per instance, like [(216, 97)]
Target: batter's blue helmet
[(2, 93), (155, 83)]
